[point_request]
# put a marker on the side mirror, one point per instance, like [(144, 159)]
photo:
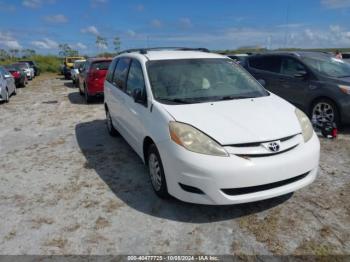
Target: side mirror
[(138, 96), (262, 82), (300, 74)]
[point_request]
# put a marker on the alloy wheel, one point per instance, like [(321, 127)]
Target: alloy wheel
[(323, 112)]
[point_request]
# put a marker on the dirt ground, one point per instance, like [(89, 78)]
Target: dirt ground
[(67, 187)]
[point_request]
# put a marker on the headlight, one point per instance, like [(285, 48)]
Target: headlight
[(194, 140), (305, 124), (345, 89)]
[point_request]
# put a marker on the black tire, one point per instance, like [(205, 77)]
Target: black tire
[(7, 96), (161, 188), (331, 104), (111, 130), (15, 91), (87, 97)]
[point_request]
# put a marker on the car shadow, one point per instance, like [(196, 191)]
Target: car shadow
[(123, 171), (69, 85), (76, 98)]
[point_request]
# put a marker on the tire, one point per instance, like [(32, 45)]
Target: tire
[(156, 172), (111, 130), (87, 97), (15, 91), (7, 96), (325, 110)]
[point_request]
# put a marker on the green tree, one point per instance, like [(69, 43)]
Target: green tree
[(116, 43), (28, 53), (14, 52), (101, 42), (4, 54), (66, 50)]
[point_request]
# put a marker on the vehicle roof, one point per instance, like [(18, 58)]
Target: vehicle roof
[(81, 60), (172, 54), (296, 53), (236, 55)]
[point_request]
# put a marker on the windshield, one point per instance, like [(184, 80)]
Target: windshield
[(101, 65), (201, 80), (329, 66), (78, 65)]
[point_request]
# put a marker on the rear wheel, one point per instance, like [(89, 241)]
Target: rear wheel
[(88, 98), (156, 172), (7, 96), (324, 110), (111, 130)]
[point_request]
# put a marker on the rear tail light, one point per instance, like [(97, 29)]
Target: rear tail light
[(16, 74)]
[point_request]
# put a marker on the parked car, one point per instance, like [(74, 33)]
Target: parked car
[(346, 57), (26, 68), (238, 58), (33, 65), (18, 74), (7, 85), (207, 130), (78, 64), (92, 76), (315, 82), (68, 65)]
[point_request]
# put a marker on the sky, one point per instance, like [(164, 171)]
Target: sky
[(222, 24)]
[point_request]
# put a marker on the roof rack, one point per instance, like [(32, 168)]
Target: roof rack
[(145, 50)]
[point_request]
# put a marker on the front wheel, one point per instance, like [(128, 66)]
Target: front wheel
[(111, 130), (156, 172), (324, 110)]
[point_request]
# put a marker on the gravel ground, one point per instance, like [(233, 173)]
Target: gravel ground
[(66, 187)]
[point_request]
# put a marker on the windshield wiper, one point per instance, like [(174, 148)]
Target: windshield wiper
[(234, 97), (177, 100)]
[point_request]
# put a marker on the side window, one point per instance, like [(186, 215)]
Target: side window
[(135, 78), (290, 66), (266, 63), (111, 69), (120, 73)]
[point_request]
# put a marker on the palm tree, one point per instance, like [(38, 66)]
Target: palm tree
[(101, 42)]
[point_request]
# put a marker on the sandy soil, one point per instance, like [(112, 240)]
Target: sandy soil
[(66, 187)]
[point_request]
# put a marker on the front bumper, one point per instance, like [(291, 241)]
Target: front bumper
[(212, 174)]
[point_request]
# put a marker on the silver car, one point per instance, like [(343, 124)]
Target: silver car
[(7, 85), (75, 70)]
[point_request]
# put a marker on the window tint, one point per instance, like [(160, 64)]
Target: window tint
[(291, 66), (120, 73), (101, 65), (135, 78), (110, 72), (266, 63)]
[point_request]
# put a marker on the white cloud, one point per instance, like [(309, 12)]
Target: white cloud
[(185, 22), (156, 23), (131, 33), (46, 43), (335, 4), (9, 41), (90, 30), (36, 3), (57, 19), (81, 46)]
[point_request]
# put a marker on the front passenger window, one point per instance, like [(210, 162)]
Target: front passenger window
[(291, 67), (135, 78)]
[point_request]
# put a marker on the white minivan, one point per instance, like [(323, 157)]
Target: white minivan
[(207, 130)]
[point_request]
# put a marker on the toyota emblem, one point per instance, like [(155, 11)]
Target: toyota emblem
[(274, 146)]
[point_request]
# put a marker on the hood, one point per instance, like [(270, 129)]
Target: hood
[(240, 121)]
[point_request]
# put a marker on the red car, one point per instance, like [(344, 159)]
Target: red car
[(92, 77), (19, 75)]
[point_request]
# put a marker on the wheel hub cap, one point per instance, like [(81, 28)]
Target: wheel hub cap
[(155, 172), (323, 112)]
